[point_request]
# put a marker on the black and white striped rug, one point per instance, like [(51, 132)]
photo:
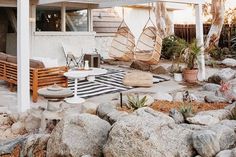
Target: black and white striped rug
[(105, 84)]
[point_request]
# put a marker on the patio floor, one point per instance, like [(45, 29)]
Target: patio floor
[(9, 99)]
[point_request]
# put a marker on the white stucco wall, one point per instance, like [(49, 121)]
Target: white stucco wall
[(136, 18), (103, 45), (49, 44)]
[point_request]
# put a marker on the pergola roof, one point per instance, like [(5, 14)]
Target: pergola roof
[(115, 3)]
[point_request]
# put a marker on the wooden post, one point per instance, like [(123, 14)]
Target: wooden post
[(63, 17), (23, 52), (35, 85), (90, 20)]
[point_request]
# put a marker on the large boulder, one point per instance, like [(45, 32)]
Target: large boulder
[(177, 116), (18, 128), (163, 96), (206, 143), (225, 135), (140, 66), (225, 153), (32, 145), (233, 152), (220, 114), (158, 70), (114, 116), (207, 120), (35, 145), (211, 87), (89, 107), (78, 135), (104, 109), (148, 133), (5, 120), (138, 79), (222, 75), (215, 99), (32, 123), (229, 62), (230, 123)]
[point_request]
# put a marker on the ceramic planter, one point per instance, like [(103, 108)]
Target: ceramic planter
[(178, 77)]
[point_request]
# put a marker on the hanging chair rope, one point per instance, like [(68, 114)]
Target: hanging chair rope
[(148, 48), (123, 43)]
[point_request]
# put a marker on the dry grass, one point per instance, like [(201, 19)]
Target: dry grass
[(165, 106)]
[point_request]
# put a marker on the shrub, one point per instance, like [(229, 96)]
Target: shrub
[(218, 53), (134, 101), (172, 47), (233, 41)]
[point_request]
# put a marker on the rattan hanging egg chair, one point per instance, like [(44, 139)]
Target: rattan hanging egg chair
[(123, 43), (149, 45)]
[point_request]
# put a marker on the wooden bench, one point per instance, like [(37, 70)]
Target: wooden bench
[(39, 77)]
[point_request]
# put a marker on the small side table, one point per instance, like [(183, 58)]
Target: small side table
[(76, 75)]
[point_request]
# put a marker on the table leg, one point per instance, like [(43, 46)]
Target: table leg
[(76, 99), (76, 87)]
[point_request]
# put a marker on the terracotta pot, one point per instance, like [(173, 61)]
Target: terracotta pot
[(190, 76)]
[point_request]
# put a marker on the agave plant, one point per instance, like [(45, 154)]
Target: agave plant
[(134, 101), (186, 109)]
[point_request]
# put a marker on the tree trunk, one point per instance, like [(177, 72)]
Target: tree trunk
[(217, 10), (164, 23)]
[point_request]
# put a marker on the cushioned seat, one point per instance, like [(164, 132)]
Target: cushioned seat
[(36, 64), (33, 63), (39, 75), (3, 56)]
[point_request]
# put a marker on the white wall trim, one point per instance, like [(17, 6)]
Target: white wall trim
[(64, 33), (105, 34)]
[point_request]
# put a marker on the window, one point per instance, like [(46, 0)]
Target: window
[(48, 20), (76, 20)]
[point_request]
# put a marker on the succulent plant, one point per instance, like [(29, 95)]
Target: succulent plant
[(186, 109), (134, 101)]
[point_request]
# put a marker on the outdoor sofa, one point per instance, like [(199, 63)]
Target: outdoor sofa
[(40, 76)]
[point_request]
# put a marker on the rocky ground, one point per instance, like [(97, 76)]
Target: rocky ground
[(101, 129)]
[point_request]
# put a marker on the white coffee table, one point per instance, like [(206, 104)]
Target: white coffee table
[(79, 74)]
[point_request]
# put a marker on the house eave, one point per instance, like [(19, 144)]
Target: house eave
[(108, 3)]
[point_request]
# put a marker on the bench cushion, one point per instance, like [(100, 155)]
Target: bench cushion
[(33, 63), (36, 64), (11, 59), (3, 56)]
